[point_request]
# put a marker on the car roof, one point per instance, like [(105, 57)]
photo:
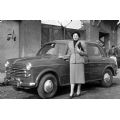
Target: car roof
[(67, 41)]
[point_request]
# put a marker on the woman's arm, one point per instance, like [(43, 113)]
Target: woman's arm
[(67, 56)]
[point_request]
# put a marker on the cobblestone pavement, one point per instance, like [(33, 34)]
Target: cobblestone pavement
[(89, 91)]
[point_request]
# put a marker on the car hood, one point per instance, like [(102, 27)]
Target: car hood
[(33, 60)]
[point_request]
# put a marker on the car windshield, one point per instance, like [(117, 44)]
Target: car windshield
[(53, 49)]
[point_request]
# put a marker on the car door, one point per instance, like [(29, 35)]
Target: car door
[(64, 69), (95, 62)]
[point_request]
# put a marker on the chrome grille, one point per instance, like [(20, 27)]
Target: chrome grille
[(16, 70)]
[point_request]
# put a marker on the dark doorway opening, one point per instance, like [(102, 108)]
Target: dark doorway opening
[(104, 40)]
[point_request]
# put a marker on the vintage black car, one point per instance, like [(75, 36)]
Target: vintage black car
[(47, 71)]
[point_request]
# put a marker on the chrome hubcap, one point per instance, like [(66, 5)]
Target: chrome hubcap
[(106, 77), (48, 86)]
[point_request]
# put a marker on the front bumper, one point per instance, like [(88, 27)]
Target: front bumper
[(19, 83)]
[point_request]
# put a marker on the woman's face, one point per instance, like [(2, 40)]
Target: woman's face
[(75, 37)]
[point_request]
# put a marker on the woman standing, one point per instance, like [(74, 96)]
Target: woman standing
[(77, 51)]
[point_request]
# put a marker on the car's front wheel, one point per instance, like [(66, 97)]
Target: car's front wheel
[(47, 87), (107, 78)]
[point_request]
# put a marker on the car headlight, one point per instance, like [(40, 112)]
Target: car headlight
[(28, 66), (7, 64)]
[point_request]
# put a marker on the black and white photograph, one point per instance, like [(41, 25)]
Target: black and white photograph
[(59, 59), (53, 59)]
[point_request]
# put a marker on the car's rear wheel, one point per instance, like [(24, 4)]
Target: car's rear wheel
[(47, 87), (107, 78)]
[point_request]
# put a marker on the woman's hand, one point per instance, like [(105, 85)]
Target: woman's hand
[(84, 51), (63, 57), (80, 52)]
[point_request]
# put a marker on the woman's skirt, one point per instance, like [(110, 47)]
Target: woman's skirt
[(77, 73)]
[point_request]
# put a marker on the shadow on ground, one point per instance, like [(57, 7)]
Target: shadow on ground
[(62, 91)]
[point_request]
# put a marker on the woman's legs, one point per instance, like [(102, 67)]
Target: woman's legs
[(78, 89), (72, 86), (72, 89)]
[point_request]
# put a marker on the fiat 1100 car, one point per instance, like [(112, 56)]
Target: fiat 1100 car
[(47, 71)]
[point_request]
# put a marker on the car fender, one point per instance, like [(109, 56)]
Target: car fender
[(109, 67), (48, 70)]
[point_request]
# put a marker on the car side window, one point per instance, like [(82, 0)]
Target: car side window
[(62, 49), (93, 50)]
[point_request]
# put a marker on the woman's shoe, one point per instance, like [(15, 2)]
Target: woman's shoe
[(78, 94), (70, 97)]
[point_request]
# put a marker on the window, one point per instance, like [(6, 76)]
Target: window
[(93, 50), (53, 49), (48, 49), (62, 49)]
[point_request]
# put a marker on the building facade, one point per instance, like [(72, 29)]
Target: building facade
[(24, 38), (19, 39), (102, 31)]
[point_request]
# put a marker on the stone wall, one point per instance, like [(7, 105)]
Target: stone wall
[(9, 41), (30, 37)]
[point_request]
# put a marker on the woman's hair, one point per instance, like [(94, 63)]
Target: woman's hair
[(76, 33)]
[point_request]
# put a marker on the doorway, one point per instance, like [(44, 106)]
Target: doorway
[(104, 39)]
